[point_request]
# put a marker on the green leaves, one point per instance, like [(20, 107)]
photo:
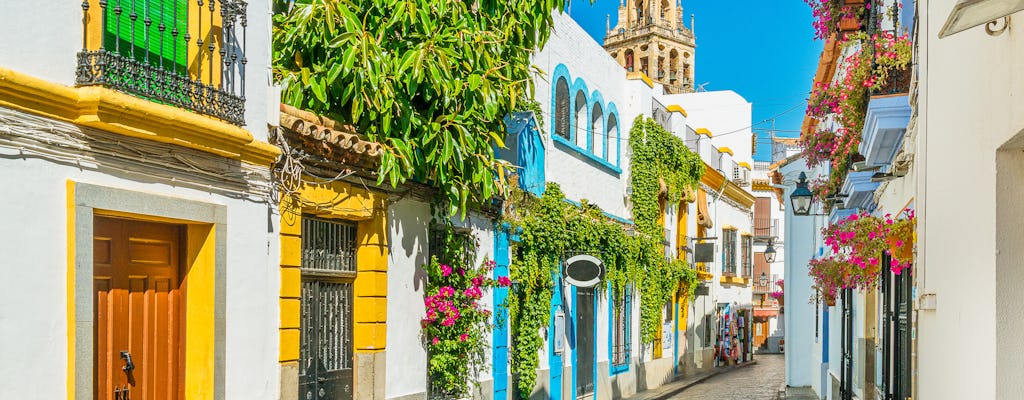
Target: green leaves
[(431, 80), (658, 156)]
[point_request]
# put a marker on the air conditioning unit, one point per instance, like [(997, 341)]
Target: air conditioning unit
[(740, 175)]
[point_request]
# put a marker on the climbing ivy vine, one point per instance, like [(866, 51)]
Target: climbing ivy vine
[(662, 169), (549, 226)]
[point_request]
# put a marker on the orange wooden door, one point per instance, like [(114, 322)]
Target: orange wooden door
[(138, 310)]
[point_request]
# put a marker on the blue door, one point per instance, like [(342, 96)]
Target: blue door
[(500, 334)]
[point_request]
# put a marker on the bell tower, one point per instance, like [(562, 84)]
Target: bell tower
[(650, 37)]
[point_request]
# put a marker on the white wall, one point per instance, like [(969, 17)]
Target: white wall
[(585, 59), (725, 113), (803, 351), (968, 108), (34, 294), (406, 359)]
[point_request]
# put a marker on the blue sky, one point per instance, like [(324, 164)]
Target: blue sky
[(763, 50)]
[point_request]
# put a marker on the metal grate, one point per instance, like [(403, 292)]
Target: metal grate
[(328, 268), (562, 108), (328, 245), (748, 262), (620, 344), (325, 351), (729, 250)]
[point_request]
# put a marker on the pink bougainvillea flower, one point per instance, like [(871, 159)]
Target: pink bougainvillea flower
[(463, 337), (436, 340), (446, 270)]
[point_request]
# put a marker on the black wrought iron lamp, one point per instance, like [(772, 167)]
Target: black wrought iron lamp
[(769, 253), (763, 280), (801, 197)]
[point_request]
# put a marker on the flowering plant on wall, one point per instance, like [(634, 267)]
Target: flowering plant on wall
[(456, 324), (872, 64), (857, 244), (828, 14)]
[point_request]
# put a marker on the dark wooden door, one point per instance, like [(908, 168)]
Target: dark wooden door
[(138, 310), (585, 345)]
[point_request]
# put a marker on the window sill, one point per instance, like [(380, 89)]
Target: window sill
[(618, 369), (593, 159)]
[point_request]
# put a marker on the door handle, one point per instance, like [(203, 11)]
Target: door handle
[(128, 364)]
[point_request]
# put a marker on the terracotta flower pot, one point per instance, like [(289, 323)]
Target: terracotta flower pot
[(903, 252), (849, 24)]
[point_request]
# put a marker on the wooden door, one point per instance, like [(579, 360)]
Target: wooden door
[(585, 344), (138, 310)]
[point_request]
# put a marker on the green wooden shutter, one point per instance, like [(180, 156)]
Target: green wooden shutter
[(130, 39)]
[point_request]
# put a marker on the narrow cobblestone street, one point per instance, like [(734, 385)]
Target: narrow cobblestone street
[(757, 382)]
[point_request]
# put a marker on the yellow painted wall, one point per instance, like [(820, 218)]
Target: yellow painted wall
[(367, 209), (198, 286)]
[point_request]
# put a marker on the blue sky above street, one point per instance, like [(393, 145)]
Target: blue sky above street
[(763, 50)]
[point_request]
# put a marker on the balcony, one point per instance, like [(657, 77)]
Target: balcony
[(884, 127), (772, 286), (187, 54)]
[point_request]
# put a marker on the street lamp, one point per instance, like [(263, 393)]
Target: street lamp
[(769, 253), (970, 13), (763, 280), (801, 197)]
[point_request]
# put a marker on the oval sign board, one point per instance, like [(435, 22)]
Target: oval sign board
[(583, 271)]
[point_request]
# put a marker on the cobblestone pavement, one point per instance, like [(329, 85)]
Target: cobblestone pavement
[(760, 381)]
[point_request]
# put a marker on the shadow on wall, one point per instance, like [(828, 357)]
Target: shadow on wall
[(413, 228)]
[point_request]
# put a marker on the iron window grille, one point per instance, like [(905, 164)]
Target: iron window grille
[(620, 339), (169, 51), (328, 265), (729, 251), (747, 244), (562, 108)]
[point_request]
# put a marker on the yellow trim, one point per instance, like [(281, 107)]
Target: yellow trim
[(744, 164), (715, 179), (71, 288), (199, 284), (641, 76), (705, 276), (116, 112), (704, 131), (678, 109), (729, 228), (745, 234), (366, 208), (734, 280), (724, 149)]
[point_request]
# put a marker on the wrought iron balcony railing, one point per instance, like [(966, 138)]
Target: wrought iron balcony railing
[(184, 53)]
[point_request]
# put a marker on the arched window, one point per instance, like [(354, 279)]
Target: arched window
[(613, 140), (581, 119), (562, 108), (597, 127), (628, 56)]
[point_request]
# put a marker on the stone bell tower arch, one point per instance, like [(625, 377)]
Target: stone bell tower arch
[(651, 37)]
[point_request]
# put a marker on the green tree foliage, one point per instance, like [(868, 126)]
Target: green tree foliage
[(429, 79)]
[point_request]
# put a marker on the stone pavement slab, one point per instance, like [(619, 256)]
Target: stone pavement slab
[(672, 388)]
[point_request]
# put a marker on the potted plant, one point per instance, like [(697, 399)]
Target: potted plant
[(901, 238)]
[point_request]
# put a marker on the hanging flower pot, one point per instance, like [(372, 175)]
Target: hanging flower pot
[(902, 250)]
